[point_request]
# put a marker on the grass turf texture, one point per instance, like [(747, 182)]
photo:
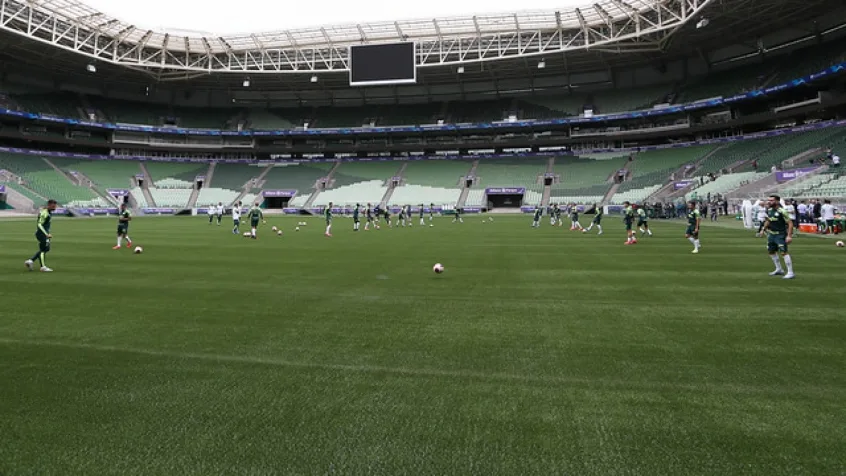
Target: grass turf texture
[(537, 352)]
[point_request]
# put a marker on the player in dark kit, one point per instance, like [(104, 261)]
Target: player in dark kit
[(368, 216), (42, 234), (255, 215), (356, 219), (574, 217), (537, 218), (431, 213), (422, 211), (386, 215), (643, 221), (694, 219), (457, 218), (779, 228), (124, 217), (628, 220), (327, 213), (597, 219)]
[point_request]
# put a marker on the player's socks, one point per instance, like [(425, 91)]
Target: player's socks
[(128, 242), (600, 228), (697, 244), (649, 232), (788, 262), (119, 242), (778, 269)]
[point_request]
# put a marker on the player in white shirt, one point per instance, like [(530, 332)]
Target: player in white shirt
[(827, 217), (236, 219), (210, 212), (761, 212), (835, 160), (803, 212)]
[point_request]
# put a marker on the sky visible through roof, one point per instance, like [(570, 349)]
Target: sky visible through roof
[(254, 16)]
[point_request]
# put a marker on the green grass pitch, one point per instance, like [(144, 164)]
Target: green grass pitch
[(536, 352)]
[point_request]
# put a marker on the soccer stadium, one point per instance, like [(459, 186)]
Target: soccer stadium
[(526, 240)]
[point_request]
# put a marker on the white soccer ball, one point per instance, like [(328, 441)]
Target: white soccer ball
[(438, 268), (246, 234), (279, 232), (839, 244), (274, 228), (138, 250), (297, 229)]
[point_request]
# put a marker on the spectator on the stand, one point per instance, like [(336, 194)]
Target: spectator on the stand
[(755, 165), (835, 161)]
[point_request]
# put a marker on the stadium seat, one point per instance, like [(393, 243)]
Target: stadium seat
[(174, 198), (416, 194), (584, 180), (513, 172), (724, 184), (349, 173), (175, 174), (299, 177), (212, 196), (45, 181), (437, 173), (370, 191), (234, 176)]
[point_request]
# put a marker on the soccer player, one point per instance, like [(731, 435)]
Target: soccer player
[(401, 216), (779, 228), (386, 215), (255, 215), (574, 216), (643, 221), (327, 213), (558, 219), (408, 215), (219, 212), (124, 217), (210, 213), (431, 213), (42, 234), (553, 211), (827, 216), (628, 220), (457, 215), (356, 219), (236, 219), (597, 219), (422, 211), (368, 215), (694, 219), (538, 213)]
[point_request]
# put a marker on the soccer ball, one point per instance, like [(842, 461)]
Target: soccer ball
[(138, 250), (274, 228), (279, 232), (839, 244), (297, 229), (438, 268), (246, 234)]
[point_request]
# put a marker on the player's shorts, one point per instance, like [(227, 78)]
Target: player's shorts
[(254, 223), (643, 222), (628, 225), (122, 229), (236, 221), (597, 219), (829, 223), (43, 242), (777, 243), (691, 231), (356, 220)]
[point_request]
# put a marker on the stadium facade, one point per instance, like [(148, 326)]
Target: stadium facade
[(631, 100)]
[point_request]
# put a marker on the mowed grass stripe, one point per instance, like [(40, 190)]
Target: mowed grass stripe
[(537, 352)]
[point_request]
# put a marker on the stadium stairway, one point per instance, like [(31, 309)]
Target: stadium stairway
[(210, 174), (145, 190), (616, 186), (17, 200), (81, 180), (246, 190), (465, 190), (388, 193), (317, 191), (547, 189)]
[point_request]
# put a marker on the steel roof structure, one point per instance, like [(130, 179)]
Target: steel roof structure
[(623, 25)]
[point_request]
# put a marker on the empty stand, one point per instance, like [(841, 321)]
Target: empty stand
[(300, 177), (437, 173), (368, 191), (724, 184), (172, 174), (513, 172), (234, 176), (104, 173), (45, 181), (583, 180), (352, 172), (416, 194)]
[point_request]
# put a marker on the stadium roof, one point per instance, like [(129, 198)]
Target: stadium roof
[(78, 11)]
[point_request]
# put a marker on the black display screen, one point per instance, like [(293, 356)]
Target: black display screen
[(382, 64)]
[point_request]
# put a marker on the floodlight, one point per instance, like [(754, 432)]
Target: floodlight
[(314, 78), (246, 83), (91, 68), (461, 70), (541, 64)]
